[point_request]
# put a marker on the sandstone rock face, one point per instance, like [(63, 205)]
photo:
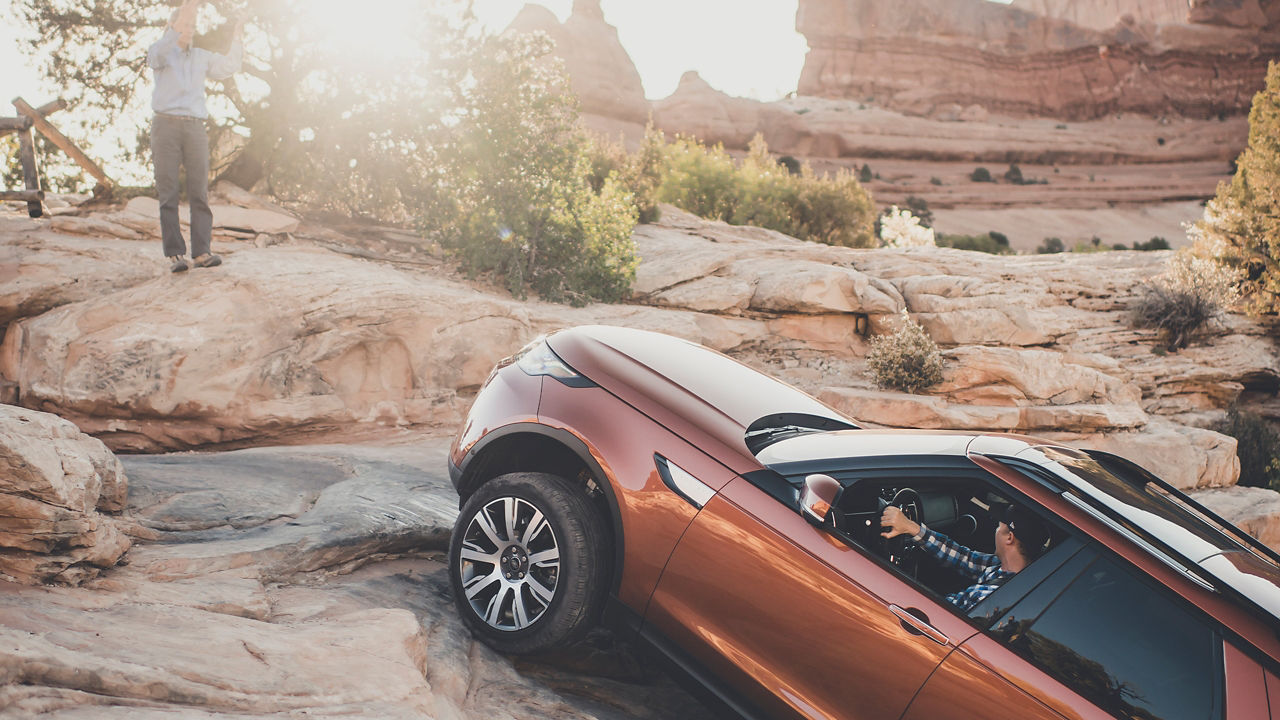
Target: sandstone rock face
[(1236, 13), (304, 338), (54, 480), (698, 109), (1254, 510), (919, 54), (1105, 14), (600, 70)]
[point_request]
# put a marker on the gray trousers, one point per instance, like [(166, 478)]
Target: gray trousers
[(178, 141)]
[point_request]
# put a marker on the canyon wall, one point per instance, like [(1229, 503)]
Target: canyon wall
[(914, 55)]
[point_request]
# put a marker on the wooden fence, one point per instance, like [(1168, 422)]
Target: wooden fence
[(27, 119)]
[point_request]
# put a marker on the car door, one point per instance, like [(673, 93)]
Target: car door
[(795, 619)]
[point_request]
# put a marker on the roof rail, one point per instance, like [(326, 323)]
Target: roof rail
[(1147, 476)]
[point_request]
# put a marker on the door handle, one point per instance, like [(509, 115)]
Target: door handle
[(916, 622)]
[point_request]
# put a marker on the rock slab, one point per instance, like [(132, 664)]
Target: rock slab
[(55, 484)]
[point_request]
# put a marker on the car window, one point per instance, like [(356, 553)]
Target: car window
[(1118, 642)]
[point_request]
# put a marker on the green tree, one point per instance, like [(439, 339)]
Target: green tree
[(1241, 224)]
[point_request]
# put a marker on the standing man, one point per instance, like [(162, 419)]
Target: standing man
[(178, 136)]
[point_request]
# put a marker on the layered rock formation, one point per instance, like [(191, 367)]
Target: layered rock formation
[(915, 55), (1104, 14), (57, 483), (600, 70), (303, 337)]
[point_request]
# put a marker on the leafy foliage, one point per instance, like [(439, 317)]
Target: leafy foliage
[(981, 174), (906, 359), (1258, 447), (1051, 245), (833, 209), (1241, 224), (992, 242), (510, 182)]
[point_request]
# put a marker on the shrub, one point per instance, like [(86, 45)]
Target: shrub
[(981, 175), (1190, 293), (1241, 224), (906, 359), (865, 174), (833, 209), (935, 180), (1094, 244), (700, 179), (920, 208), (1051, 245), (988, 243), (1155, 243), (639, 173), (901, 229), (1258, 447), (1013, 174), (515, 195)]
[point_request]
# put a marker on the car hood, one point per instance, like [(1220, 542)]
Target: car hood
[(705, 397)]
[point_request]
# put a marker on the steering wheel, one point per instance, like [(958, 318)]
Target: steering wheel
[(900, 550)]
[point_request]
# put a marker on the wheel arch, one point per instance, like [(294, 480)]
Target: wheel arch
[(533, 447)]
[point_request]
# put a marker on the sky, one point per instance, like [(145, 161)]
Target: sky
[(750, 54)]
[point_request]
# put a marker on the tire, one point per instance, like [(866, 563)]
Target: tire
[(523, 592)]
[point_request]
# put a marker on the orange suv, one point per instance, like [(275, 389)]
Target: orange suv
[(735, 524)]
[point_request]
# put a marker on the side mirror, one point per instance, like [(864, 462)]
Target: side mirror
[(818, 498)]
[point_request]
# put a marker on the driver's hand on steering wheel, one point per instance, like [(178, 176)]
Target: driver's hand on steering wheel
[(894, 522)]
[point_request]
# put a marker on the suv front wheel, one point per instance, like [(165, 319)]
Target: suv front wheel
[(527, 560)]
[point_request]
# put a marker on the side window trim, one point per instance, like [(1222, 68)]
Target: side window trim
[(1154, 551)]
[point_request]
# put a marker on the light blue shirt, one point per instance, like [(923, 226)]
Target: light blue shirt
[(180, 74)]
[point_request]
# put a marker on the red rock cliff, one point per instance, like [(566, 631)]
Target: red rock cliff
[(914, 55)]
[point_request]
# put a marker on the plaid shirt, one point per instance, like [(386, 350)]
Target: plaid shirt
[(972, 564)]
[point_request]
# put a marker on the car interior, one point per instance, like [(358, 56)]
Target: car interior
[(966, 510)]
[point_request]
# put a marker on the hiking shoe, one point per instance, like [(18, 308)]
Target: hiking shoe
[(207, 260), (179, 264)]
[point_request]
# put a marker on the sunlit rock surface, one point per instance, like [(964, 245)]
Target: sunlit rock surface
[(352, 333)]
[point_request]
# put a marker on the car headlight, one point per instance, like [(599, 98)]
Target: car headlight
[(537, 358)]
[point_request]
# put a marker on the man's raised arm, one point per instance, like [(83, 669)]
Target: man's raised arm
[(222, 67)]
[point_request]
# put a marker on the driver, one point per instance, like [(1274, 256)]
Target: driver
[(1020, 536)]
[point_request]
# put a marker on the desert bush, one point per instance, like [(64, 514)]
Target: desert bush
[(833, 209), (1013, 174), (1241, 224), (981, 175), (906, 359), (640, 173), (920, 208), (992, 242), (1051, 245), (865, 174), (1191, 292), (900, 229), (699, 179), (1092, 245), (1258, 447), (1155, 243)]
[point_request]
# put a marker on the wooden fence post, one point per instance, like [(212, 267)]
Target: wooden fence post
[(30, 170), (64, 144)]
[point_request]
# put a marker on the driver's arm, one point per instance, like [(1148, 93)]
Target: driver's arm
[(946, 551)]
